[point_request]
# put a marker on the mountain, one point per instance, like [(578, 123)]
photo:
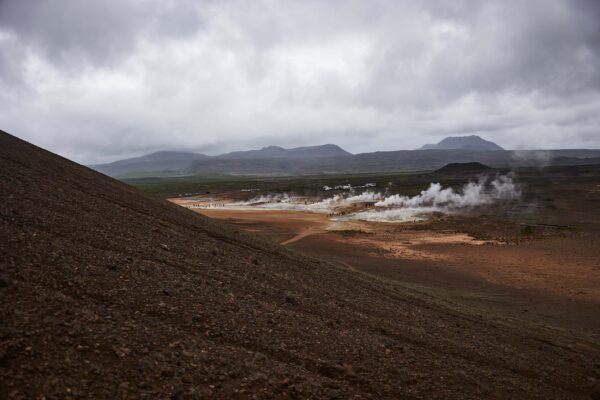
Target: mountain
[(109, 293), (179, 163), (309, 152), (160, 156), (472, 142), (331, 159), (161, 161), (387, 161)]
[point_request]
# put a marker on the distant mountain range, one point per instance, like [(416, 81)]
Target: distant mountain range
[(326, 150), (472, 142), (154, 164), (182, 163), (331, 159)]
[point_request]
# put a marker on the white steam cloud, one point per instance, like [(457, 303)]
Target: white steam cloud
[(365, 197), (328, 205), (439, 199), (471, 195)]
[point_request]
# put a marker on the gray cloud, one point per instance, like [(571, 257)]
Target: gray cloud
[(99, 80)]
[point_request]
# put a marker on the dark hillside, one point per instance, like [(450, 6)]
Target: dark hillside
[(107, 293), (463, 168)]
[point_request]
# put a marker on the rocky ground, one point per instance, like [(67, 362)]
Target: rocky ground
[(108, 293)]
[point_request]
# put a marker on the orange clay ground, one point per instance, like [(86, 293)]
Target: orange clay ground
[(551, 280)]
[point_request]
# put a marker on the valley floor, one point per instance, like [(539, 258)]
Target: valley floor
[(551, 281)]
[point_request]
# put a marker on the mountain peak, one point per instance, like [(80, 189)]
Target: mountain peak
[(471, 142)]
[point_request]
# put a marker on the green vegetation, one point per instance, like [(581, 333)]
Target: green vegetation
[(410, 182)]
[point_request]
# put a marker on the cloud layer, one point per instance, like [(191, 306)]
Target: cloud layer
[(98, 80)]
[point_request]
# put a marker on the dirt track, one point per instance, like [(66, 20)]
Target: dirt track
[(108, 293), (302, 224)]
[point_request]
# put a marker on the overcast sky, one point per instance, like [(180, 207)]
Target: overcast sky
[(99, 80)]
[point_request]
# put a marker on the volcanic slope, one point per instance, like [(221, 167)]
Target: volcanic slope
[(108, 293)]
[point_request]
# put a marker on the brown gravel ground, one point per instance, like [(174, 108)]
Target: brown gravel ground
[(107, 293)]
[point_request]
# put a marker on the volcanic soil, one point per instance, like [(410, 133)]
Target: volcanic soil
[(109, 293), (551, 279)]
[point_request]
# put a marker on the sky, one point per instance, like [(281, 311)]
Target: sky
[(101, 80)]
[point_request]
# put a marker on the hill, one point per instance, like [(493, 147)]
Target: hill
[(108, 293), (463, 168), (472, 142)]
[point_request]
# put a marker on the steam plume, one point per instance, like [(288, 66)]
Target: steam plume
[(439, 199), (472, 194)]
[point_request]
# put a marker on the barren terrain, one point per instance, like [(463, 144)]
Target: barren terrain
[(110, 293), (548, 277)]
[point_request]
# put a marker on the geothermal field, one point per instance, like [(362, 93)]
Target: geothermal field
[(499, 240), (357, 203)]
